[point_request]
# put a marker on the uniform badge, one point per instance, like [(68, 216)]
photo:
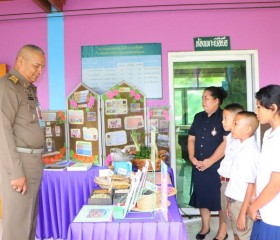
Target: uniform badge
[(30, 96), (214, 132), (14, 79)]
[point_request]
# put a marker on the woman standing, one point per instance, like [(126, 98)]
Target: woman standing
[(205, 135), (266, 207)]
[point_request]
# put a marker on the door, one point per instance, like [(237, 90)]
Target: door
[(189, 74)]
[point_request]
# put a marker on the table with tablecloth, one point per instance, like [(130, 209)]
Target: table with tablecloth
[(150, 228), (62, 195)]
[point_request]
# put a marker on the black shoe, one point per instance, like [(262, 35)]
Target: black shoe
[(201, 236), (226, 237)]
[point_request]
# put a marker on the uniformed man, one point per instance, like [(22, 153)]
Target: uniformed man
[(21, 145)]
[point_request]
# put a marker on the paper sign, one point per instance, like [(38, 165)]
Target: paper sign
[(84, 148), (49, 116), (116, 106), (133, 122), (76, 116), (81, 96), (90, 134), (116, 138)]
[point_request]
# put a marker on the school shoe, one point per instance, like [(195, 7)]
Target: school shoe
[(226, 237), (201, 236)]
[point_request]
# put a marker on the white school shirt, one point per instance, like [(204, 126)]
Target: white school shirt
[(226, 164), (270, 162), (244, 169)]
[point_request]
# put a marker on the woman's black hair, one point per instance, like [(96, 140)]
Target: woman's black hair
[(217, 92), (269, 95)]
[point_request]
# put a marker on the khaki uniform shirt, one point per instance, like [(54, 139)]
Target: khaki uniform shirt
[(19, 124)]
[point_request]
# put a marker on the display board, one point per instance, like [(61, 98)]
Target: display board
[(124, 117), (84, 125), (54, 123), (158, 119), (138, 64)]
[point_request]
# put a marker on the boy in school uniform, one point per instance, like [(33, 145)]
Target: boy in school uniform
[(243, 173), (232, 144)]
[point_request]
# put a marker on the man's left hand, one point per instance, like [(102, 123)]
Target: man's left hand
[(19, 185)]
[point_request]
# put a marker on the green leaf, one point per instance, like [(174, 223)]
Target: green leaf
[(104, 97)]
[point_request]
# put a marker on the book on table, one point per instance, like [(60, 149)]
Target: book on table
[(95, 213), (74, 166), (61, 166)]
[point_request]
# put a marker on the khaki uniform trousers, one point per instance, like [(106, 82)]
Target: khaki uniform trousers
[(224, 202), (234, 213), (20, 211)]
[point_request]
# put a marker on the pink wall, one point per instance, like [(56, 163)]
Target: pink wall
[(255, 28), (16, 33), (248, 29)]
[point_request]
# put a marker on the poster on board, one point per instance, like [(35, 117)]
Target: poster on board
[(139, 65), (158, 119), (55, 137), (124, 115), (84, 125)]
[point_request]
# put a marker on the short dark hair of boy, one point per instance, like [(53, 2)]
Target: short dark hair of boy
[(234, 107), (252, 119), (269, 95)]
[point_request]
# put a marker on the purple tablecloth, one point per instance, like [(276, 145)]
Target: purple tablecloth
[(133, 229), (62, 195)]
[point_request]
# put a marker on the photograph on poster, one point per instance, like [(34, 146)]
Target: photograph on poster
[(91, 116), (49, 145), (135, 107), (133, 122), (157, 112), (57, 131), (163, 126), (81, 96), (49, 116), (114, 123), (116, 106), (153, 123), (75, 133), (48, 131), (116, 138), (163, 140), (76, 116), (90, 134), (84, 148)]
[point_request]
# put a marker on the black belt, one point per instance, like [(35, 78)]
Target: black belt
[(224, 179), (231, 200)]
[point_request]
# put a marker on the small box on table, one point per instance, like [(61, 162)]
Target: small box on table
[(100, 197), (119, 195)]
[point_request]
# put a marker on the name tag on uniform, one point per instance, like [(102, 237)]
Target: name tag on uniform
[(40, 116), (30, 96)]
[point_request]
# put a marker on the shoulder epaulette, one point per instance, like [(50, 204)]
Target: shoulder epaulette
[(14, 79)]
